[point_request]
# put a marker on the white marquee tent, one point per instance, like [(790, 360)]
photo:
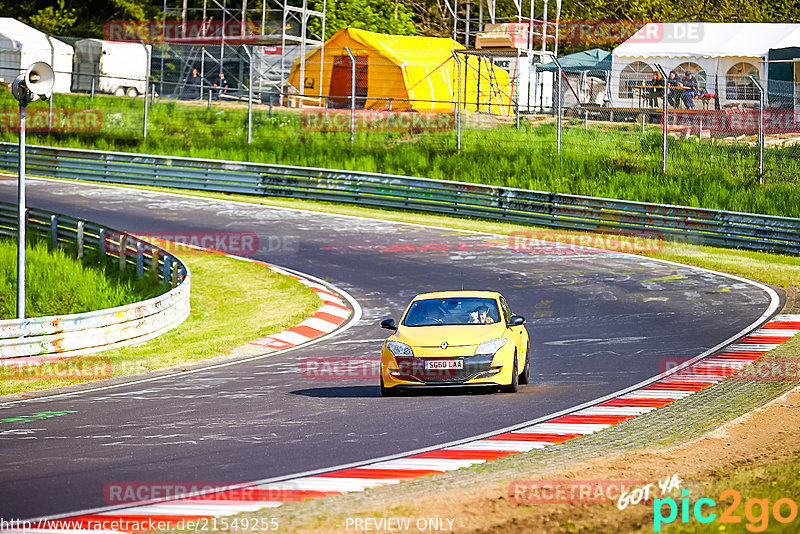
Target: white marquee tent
[(21, 46), (722, 57)]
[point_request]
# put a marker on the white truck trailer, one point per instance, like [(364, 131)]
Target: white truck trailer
[(116, 67)]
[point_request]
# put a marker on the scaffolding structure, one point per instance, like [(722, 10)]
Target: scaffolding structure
[(542, 21), (534, 41), (255, 47)]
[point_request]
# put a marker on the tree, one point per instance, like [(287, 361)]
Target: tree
[(383, 16), (54, 20)]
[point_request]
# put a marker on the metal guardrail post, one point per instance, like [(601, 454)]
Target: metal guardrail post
[(79, 236), (139, 260), (665, 121), (761, 133), (458, 101), (352, 95), (123, 245), (53, 231), (101, 245)]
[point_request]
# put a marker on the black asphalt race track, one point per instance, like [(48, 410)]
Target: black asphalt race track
[(599, 323)]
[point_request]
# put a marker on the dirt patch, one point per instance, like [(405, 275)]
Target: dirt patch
[(765, 435)]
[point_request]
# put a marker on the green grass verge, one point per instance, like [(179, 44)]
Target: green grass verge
[(59, 284), (232, 301), (609, 160)]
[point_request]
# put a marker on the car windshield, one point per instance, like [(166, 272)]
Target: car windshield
[(452, 311)]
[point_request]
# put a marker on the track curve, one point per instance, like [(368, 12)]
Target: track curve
[(599, 322)]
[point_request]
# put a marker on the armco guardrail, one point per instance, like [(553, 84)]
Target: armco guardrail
[(714, 227), (82, 333)]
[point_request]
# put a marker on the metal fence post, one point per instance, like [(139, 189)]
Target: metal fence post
[(139, 260), (146, 87), (515, 83), (79, 237), (101, 245), (123, 245), (458, 101), (761, 133), (560, 104), (53, 231), (250, 103), (665, 121), (352, 95)]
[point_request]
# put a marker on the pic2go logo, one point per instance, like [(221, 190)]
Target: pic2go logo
[(756, 511)]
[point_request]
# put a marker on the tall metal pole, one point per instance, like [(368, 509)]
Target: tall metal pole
[(22, 218), (665, 120), (250, 100), (560, 104), (146, 87), (761, 133), (352, 95), (458, 101)]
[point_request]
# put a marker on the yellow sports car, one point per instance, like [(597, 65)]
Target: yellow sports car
[(464, 338)]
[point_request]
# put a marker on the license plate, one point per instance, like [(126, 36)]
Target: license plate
[(443, 364)]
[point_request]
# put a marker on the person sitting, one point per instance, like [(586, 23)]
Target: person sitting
[(657, 91), (673, 83), (221, 84), (690, 83), (481, 316)]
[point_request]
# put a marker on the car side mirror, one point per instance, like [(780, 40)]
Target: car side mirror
[(389, 324), (516, 320)]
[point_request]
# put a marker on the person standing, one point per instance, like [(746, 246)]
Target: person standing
[(691, 89), (193, 85)]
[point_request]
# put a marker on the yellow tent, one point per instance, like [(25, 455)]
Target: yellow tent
[(399, 73)]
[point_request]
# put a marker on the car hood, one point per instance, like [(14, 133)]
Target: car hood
[(455, 336)]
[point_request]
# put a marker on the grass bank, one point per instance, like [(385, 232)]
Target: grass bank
[(225, 292), (59, 284), (608, 160)]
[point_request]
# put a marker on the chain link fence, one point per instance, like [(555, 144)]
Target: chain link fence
[(368, 98)]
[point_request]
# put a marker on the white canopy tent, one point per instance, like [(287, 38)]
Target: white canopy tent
[(21, 46), (722, 56)]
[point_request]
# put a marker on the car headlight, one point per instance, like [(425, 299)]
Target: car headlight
[(490, 347), (399, 349)]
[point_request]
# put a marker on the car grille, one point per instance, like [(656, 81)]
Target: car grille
[(414, 369)]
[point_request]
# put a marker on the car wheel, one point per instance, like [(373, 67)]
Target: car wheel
[(525, 376), (513, 387), (132, 92), (387, 392), (119, 91)]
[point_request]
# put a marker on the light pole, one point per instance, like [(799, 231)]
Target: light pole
[(36, 83)]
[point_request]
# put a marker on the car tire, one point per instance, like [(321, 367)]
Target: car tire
[(387, 392), (525, 375), (513, 387), (132, 92), (119, 91)]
